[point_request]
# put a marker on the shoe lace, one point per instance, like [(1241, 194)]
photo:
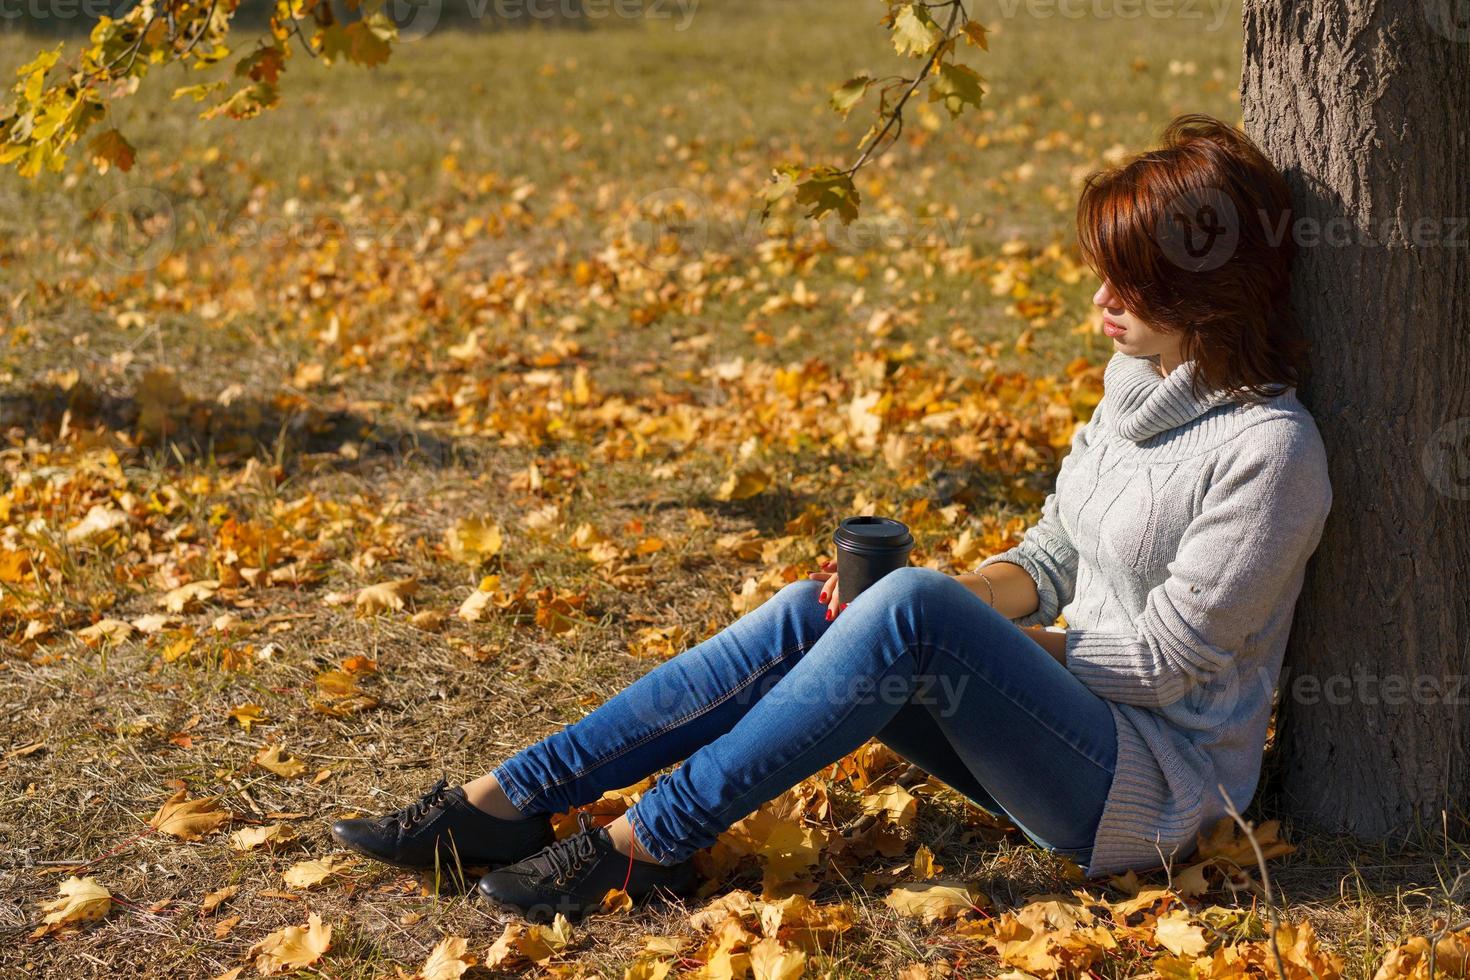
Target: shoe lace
[(566, 857), (417, 810)]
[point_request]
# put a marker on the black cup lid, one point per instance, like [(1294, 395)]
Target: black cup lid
[(879, 531)]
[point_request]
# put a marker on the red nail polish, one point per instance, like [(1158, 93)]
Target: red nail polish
[(844, 606), (824, 597), (829, 615)]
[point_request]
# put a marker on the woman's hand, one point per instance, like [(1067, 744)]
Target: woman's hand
[(828, 577)]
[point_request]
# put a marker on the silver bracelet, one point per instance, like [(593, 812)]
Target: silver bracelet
[(989, 585)]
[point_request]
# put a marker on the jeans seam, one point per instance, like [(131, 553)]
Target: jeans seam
[(667, 727), (518, 797), (1034, 716)]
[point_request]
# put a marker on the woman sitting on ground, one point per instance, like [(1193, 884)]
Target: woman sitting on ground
[(1174, 545)]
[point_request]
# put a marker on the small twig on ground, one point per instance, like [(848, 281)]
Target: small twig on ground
[(1448, 929), (1265, 877)]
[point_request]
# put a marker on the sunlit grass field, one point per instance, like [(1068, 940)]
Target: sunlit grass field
[(518, 278)]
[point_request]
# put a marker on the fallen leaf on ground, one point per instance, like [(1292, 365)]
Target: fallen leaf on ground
[(187, 597), (1410, 961), (924, 865), (384, 597), (521, 943), (105, 631), (271, 835), (77, 900), (291, 948), (1179, 936), (189, 819), (429, 620), (474, 540), (99, 520), (309, 873), (892, 803), (743, 484), (246, 715), (274, 758), (214, 900), (769, 960), (448, 960), (934, 901)]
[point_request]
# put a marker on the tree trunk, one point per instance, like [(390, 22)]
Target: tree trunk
[(1365, 106)]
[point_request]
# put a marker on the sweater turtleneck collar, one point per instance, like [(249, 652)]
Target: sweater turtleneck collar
[(1145, 403)]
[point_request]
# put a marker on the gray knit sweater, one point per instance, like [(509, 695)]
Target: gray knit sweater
[(1174, 545)]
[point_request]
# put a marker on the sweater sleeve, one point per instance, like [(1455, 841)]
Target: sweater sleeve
[(1046, 550), (1236, 570)]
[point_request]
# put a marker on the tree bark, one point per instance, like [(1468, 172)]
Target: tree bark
[(1365, 106)]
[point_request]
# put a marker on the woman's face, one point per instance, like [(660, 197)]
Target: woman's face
[(1130, 334)]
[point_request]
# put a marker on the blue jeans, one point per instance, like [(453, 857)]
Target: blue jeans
[(917, 661)]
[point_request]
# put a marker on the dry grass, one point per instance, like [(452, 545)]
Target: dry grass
[(596, 120)]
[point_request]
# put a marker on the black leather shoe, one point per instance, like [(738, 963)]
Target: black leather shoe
[(573, 876), (441, 829)]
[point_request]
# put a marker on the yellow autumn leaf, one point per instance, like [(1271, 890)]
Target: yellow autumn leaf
[(246, 715), (1410, 961), (1299, 946), (924, 865), (892, 803), (789, 850), (428, 620), (447, 961), (186, 598), (271, 835), (1178, 935), (474, 540), (648, 968), (189, 819), (769, 960), (77, 900), (215, 899), (502, 953), (1225, 841), (616, 900), (865, 420), (291, 948), (914, 32), (473, 609), (934, 901), (743, 484), (520, 943), (384, 596), (586, 536), (540, 942), (308, 874), (105, 631), (658, 641), (274, 758), (100, 520)]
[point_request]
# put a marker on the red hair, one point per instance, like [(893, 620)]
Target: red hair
[(1195, 237)]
